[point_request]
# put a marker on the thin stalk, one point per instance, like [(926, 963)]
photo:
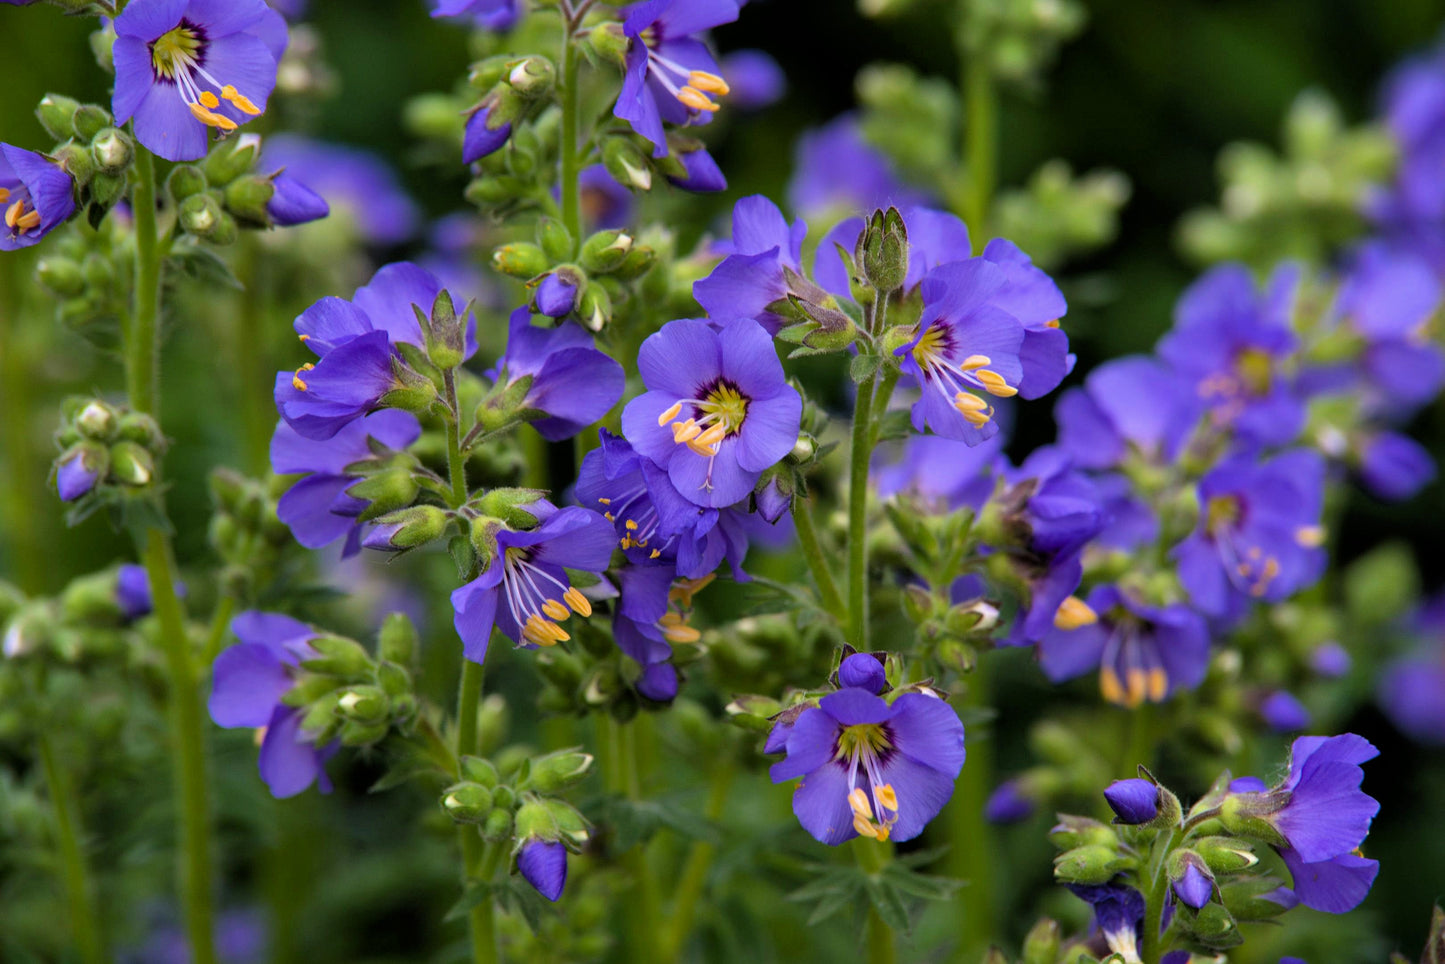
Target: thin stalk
[(142, 346), (969, 858), (571, 192), (84, 927), (22, 489), (1151, 947), (812, 551), (980, 143), (481, 918), (699, 860), (456, 467), (632, 758), (225, 609), (188, 754), (1141, 728), (860, 450), (883, 396), (872, 857), (257, 415)]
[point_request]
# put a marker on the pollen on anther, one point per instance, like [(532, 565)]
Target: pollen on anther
[(696, 99), (209, 99), (708, 83), (555, 609), (579, 603), (242, 103), (670, 414)]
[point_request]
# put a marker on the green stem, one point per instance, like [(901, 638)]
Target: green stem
[(980, 143), (859, 452), (83, 925), (812, 551), (225, 609), (142, 347), (456, 467), (482, 917), (1152, 945), (872, 858), (643, 943), (188, 755), (699, 860), (257, 415), (22, 490), (969, 858), (571, 192), (1141, 729)]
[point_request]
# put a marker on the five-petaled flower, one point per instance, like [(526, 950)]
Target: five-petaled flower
[(36, 195)]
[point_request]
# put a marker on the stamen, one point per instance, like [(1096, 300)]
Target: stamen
[(676, 630), (713, 435), (887, 796), (1311, 537), (243, 104), (709, 83), (1052, 324), (858, 800), (12, 213), (211, 119), (1158, 684), (696, 99), (865, 827), (556, 610), (4, 194), (209, 99), (28, 220), (994, 384), (670, 414), (685, 431), (1110, 687), (296, 381), (1138, 686), (304, 338), (1074, 613), (579, 603), (973, 362)]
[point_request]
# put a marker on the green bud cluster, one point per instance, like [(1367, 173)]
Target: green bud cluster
[(1057, 215), (120, 448)]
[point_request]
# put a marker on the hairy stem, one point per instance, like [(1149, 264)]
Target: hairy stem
[(980, 143), (828, 592), (968, 856), (690, 884), (142, 344), (872, 857), (571, 192), (84, 927), (481, 918), (859, 451), (456, 467)]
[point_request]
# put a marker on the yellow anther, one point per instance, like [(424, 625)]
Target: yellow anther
[(243, 104), (1110, 687), (993, 382), (709, 83), (212, 119), (655, 553), (714, 434), (631, 525), (1158, 684), (260, 735), (209, 99), (881, 833), (683, 592), (609, 517), (977, 419), (887, 796), (670, 414), (556, 610), (296, 381), (605, 501), (973, 362), (1138, 687), (865, 827), (304, 338), (4, 194), (676, 630), (1073, 613), (1311, 537), (858, 800), (1052, 324), (685, 431), (706, 451), (969, 402), (12, 213), (28, 220), (579, 603), (696, 99)]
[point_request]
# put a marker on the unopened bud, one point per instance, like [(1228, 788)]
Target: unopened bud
[(90, 120), (140, 428), (520, 259), (1041, 946), (60, 275), (56, 114), (200, 214), (555, 239), (558, 771), (608, 42), (1090, 864), (605, 251), (594, 308), (627, 164), (77, 162), (882, 250), (226, 162), (132, 465), (112, 150), (398, 640), (407, 528), (558, 291), (365, 704), (478, 770), (638, 262), (532, 76), (467, 802), (185, 180), (338, 656), (96, 420), (247, 197)]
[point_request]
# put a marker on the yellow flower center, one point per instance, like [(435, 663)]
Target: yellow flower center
[(175, 50)]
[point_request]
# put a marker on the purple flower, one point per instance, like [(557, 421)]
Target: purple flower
[(605, 203), (763, 265), (484, 134), (1259, 533), (76, 476), (1009, 803), (1134, 801), (525, 591), (489, 14), (133, 591), (658, 682), (317, 508), (352, 181), (544, 864), (1229, 340), (1394, 466), (965, 347), (183, 67), (670, 73), (1194, 886), (357, 364), (1129, 407), (1119, 912), (718, 411), (870, 767), (941, 471), (248, 683), (703, 174), (1330, 660), (755, 79), (294, 203), (862, 671), (1142, 652), (1409, 693), (1284, 713), (836, 170), (35, 194), (572, 382), (557, 294)]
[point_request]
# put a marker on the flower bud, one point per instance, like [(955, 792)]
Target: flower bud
[(1041, 946), (489, 126), (106, 189), (498, 826), (338, 656), (773, 495), (605, 251), (467, 802), (201, 214), (444, 331), (398, 640), (386, 490), (89, 120), (520, 259), (1090, 864), (56, 114), (226, 162), (882, 250), (294, 203), (1252, 898), (28, 631), (608, 42), (638, 262), (1225, 855), (555, 239), (354, 733), (544, 865), (60, 275), (407, 528), (1192, 882), (247, 197), (96, 420), (364, 704), (1134, 801), (478, 770), (557, 294), (1214, 925), (185, 180), (1247, 815), (559, 771), (594, 308), (627, 164), (112, 151), (140, 428), (130, 464), (1072, 831), (91, 600), (532, 76), (77, 162), (863, 670)]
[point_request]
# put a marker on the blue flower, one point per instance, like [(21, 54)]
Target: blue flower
[(35, 194), (354, 182), (1127, 408), (1009, 803), (248, 683), (1134, 801), (184, 67), (755, 79), (489, 14), (1119, 912), (763, 265), (836, 170), (670, 74), (572, 383), (525, 590), (317, 508), (544, 865), (869, 767), (1284, 713)]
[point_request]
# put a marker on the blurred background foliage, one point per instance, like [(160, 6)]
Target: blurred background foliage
[(1153, 90)]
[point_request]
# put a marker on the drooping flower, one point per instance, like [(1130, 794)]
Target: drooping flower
[(1130, 407), (1229, 340), (964, 349), (317, 508), (294, 203), (670, 75), (571, 381), (489, 14), (1194, 887), (870, 767), (556, 295), (354, 182), (718, 410), (354, 343), (763, 265), (702, 173), (1142, 652), (1259, 533), (184, 67), (77, 474), (248, 683), (544, 864), (1119, 913), (864, 671), (525, 591), (35, 194)]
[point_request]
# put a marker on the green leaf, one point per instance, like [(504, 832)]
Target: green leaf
[(832, 903), (888, 902), (863, 367), (203, 265), (474, 893), (894, 424), (926, 886), (922, 858)]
